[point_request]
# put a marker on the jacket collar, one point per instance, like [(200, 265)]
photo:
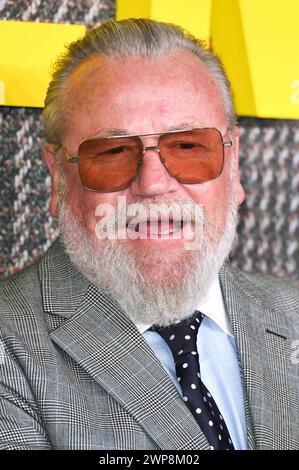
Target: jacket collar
[(63, 285)]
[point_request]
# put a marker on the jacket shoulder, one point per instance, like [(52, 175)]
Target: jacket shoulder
[(26, 285), (273, 292), (20, 292)]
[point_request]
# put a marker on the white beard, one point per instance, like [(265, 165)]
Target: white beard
[(129, 276)]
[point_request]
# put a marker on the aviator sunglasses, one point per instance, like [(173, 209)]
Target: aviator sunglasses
[(108, 164)]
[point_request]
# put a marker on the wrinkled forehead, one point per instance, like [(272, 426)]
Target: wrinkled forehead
[(107, 88)]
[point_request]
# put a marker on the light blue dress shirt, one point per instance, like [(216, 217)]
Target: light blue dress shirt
[(218, 363)]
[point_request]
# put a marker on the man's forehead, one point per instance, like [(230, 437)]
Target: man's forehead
[(101, 66), (177, 91)]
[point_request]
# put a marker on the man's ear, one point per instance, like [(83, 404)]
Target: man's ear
[(50, 159), (240, 189)]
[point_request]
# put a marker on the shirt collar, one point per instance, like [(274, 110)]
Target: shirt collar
[(213, 307)]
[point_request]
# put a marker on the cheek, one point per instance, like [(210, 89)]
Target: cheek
[(86, 204), (214, 197)]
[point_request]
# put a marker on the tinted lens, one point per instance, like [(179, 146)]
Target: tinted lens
[(108, 165), (193, 156)]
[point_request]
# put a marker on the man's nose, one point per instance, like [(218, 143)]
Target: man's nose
[(153, 178)]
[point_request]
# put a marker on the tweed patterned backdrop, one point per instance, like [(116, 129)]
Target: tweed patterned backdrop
[(269, 163)]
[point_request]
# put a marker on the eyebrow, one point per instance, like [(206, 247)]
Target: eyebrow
[(109, 132), (185, 126)]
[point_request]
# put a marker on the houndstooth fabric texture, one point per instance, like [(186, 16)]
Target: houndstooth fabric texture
[(269, 164), (77, 374)]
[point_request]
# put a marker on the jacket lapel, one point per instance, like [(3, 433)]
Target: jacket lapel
[(263, 349), (103, 341)]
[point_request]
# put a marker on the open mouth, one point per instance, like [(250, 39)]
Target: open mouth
[(157, 227)]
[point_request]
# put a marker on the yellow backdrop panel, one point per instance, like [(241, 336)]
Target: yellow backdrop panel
[(258, 43), (193, 15), (27, 52), (256, 39)]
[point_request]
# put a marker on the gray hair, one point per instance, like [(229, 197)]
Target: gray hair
[(127, 38)]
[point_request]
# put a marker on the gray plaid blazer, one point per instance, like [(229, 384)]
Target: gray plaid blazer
[(77, 374)]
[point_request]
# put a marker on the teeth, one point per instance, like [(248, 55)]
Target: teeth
[(165, 232), (177, 225)]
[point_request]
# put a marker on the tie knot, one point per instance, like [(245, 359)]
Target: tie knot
[(181, 337)]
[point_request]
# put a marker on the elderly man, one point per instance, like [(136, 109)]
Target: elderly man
[(133, 332)]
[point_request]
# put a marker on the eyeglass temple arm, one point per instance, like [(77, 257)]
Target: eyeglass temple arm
[(228, 144), (71, 159)]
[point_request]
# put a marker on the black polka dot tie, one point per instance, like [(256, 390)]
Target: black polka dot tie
[(181, 338)]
